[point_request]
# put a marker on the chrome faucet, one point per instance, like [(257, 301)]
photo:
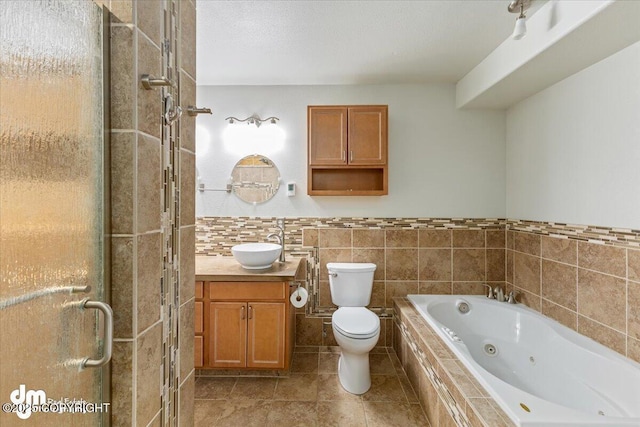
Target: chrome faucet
[(490, 295), (499, 294), (279, 236), (512, 297)]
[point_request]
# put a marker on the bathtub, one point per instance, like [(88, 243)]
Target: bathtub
[(540, 372)]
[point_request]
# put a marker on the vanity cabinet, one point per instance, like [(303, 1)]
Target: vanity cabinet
[(347, 150), (246, 325)]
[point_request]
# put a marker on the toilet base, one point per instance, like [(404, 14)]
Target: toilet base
[(353, 372)]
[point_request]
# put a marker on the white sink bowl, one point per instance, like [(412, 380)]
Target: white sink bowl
[(256, 256)]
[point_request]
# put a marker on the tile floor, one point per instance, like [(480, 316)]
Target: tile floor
[(311, 396)]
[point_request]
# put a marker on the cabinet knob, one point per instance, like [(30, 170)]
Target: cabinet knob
[(350, 156), (242, 312), (250, 311)]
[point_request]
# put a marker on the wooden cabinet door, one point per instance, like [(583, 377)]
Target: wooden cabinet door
[(367, 135), (266, 341), (327, 127), (227, 334)]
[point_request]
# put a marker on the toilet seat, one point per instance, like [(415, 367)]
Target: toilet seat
[(356, 322)]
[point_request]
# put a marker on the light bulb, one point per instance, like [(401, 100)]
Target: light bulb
[(520, 29)]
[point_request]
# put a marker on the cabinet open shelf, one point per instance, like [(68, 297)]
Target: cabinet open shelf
[(347, 181)]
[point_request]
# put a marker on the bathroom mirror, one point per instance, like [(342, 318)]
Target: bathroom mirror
[(255, 179)]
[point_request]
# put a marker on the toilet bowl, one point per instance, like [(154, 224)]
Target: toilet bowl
[(355, 328)]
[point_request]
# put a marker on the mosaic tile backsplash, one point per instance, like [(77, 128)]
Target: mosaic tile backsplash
[(561, 270)]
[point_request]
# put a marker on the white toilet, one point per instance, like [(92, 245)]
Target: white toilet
[(355, 327)]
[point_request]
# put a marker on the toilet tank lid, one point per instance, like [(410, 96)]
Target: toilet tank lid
[(348, 267)]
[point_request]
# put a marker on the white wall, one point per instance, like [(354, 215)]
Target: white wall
[(573, 150), (443, 162)]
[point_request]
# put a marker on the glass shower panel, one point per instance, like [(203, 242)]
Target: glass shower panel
[(51, 211)]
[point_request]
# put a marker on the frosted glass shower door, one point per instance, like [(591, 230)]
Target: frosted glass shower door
[(51, 214)]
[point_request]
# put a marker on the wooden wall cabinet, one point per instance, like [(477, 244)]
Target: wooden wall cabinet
[(347, 150), (247, 325)]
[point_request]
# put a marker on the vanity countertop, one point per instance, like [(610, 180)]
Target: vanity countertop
[(227, 269)]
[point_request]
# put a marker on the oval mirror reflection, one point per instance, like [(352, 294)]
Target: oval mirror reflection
[(255, 179)]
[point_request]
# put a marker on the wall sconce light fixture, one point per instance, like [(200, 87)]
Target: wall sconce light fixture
[(253, 120), (519, 6)]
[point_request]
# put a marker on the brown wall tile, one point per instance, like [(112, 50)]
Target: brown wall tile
[(308, 330), (334, 238), (123, 79), (437, 288), (188, 37), (401, 264), (566, 317), (399, 289), (309, 237), (149, 106), (123, 152), (149, 261), (186, 404), (469, 265), (526, 272), (150, 20), (606, 336), (149, 184), (434, 238), (560, 250), (149, 360), (468, 239), (602, 258), (496, 264), (435, 264), (367, 238), (122, 286), (469, 288), (633, 349), (527, 242), (633, 265), (633, 312), (559, 283), (602, 298), (399, 238), (496, 238), (121, 384)]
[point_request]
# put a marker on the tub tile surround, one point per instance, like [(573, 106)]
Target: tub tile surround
[(447, 391), (585, 277)]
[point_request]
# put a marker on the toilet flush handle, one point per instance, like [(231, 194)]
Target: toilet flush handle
[(332, 274)]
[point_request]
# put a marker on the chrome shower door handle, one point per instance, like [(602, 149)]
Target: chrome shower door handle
[(107, 340)]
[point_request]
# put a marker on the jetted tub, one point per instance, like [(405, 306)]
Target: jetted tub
[(540, 372)]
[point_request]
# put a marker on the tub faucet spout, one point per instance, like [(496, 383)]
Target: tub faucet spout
[(499, 294), (490, 295)]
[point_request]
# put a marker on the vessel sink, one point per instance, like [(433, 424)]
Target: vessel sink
[(256, 256)]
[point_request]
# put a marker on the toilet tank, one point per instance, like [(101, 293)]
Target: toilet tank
[(351, 283)]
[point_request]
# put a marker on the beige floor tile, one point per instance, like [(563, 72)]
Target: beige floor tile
[(245, 413), (206, 412), (298, 387), (329, 389), (328, 363), (380, 364), (394, 414), (304, 363), (214, 387), (385, 388), (292, 414), (254, 388), (341, 414)]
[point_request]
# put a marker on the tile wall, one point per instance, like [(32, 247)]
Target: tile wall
[(583, 276), (139, 239), (588, 280)]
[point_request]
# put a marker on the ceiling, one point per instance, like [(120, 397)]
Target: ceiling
[(324, 42)]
